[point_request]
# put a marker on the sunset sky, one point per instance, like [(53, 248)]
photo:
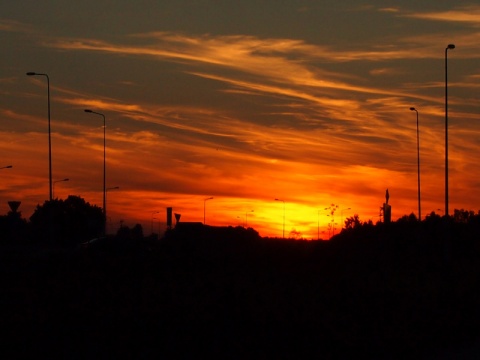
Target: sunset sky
[(243, 101)]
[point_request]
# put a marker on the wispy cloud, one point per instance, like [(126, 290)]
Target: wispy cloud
[(466, 14), (267, 67), (390, 9), (9, 25)]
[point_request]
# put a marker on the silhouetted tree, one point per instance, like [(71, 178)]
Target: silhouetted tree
[(407, 218), (135, 233), (352, 222), (462, 216), (67, 222), (433, 215), (295, 234)]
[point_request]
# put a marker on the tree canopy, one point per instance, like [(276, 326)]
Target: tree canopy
[(67, 222)]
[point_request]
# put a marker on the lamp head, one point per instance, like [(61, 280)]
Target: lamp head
[(31, 73), (451, 46), (88, 110), (413, 109)]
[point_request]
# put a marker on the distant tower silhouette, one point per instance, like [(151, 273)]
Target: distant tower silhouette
[(387, 209)]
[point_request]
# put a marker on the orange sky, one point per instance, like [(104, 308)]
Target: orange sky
[(305, 104)]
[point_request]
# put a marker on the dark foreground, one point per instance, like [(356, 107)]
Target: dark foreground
[(243, 299)]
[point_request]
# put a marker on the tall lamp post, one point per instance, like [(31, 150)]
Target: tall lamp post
[(105, 208), (204, 201), (53, 191), (31, 73), (418, 167), (449, 47), (283, 215), (104, 162)]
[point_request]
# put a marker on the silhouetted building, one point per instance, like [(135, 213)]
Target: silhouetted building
[(197, 231), (169, 217)]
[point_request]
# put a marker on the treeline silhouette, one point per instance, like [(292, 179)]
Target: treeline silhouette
[(57, 222), (404, 289)]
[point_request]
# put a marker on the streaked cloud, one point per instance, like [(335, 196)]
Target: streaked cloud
[(466, 14), (9, 25), (389, 9)]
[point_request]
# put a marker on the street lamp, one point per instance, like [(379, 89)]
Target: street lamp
[(204, 201), (104, 160), (449, 47), (31, 73), (53, 191), (283, 216), (418, 166), (105, 208), (246, 218), (6, 167)]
